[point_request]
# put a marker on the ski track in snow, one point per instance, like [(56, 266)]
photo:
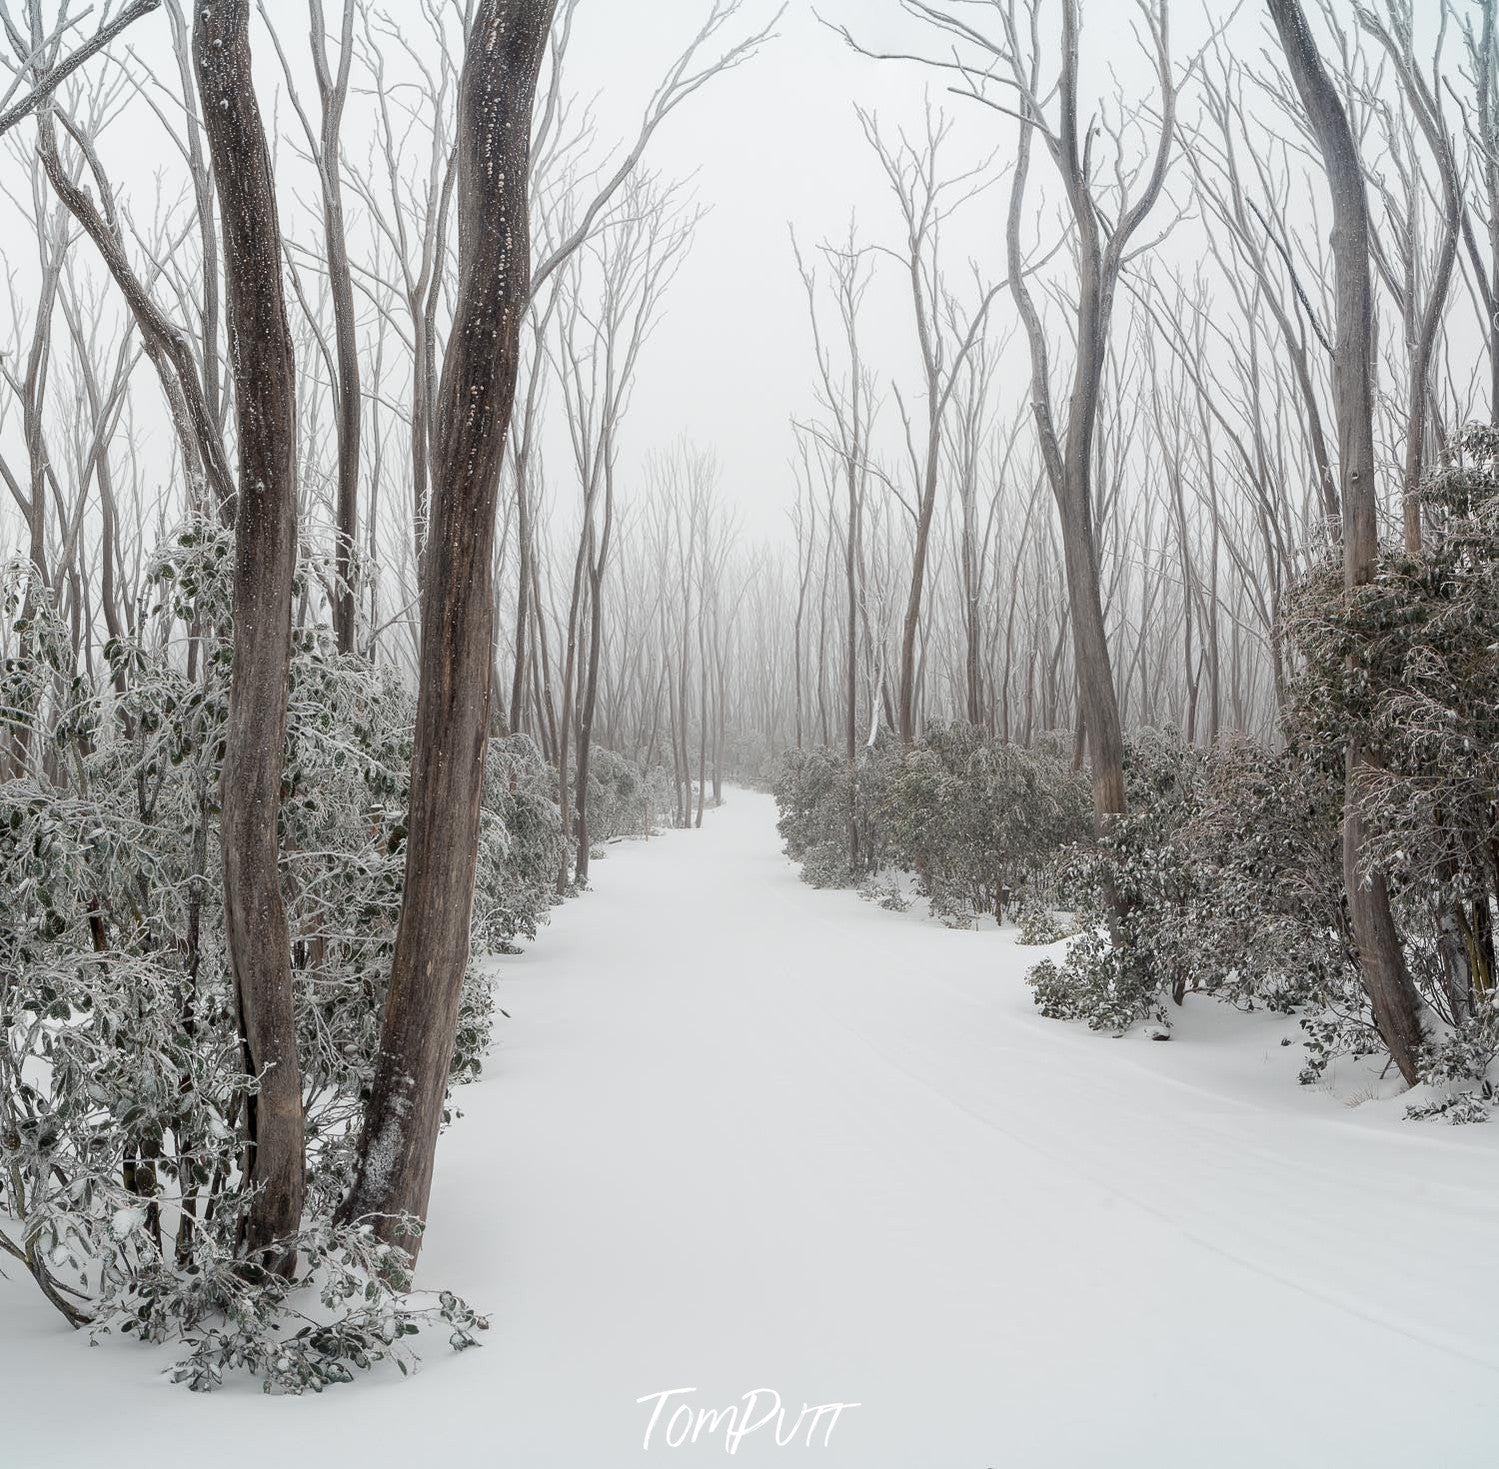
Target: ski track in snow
[(740, 1134)]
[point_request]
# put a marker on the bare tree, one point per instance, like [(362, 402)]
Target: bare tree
[(264, 366), (847, 398), (1395, 33), (55, 72), (926, 200), (325, 145), (1381, 959), (398, 1140), (1002, 68), (598, 352)]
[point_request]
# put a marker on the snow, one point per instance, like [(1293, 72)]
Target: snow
[(742, 1136), (126, 1221)]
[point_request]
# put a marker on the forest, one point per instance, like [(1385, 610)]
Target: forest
[(407, 686)]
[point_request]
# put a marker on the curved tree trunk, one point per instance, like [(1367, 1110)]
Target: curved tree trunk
[(1392, 994), (477, 391)]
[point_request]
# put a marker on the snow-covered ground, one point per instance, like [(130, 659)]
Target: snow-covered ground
[(743, 1135)]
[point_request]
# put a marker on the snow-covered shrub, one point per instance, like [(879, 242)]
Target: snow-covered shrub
[(1466, 1052), (1109, 984), (624, 798), (1266, 913), (979, 820), (520, 844), (1466, 1106), (826, 865), (885, 891), (122, 1086), (1336, 1031), (348, 1307), (1127, 890), (1409, 663), (829, 813), (1224, 877), (813, 798), (750, 758), (1037, 924)]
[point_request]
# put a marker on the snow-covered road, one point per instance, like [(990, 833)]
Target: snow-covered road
[(743, 1135)]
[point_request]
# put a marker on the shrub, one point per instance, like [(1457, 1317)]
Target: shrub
[(829, 814), (976, 819), (625, 799), (884, 890), (122, 1090), (1409, 663), (1127, 890), (979, 821), (1038, 924)]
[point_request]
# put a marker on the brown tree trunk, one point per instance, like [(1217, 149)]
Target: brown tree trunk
[(399, 1139), (912, 620), (333, 88), (1396, 1005), (598, 560), (265, 527)]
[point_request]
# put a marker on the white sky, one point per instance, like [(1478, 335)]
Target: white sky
[(774, 144)]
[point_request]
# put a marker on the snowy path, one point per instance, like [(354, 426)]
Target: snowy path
[(740, 1134)]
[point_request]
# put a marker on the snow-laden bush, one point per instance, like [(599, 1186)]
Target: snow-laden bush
[(1037, 924), (976, 819), (1409, 663), (979, 820), (829, 813), (1472, 1105), (122, 1085), (1224, 877), (1233, 879), (885, 891), (750, 758), (348, 1306), (520, 844), (624, 798)]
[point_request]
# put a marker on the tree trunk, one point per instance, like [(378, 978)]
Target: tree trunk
[(1392, 995), (265, 527), (333, 88), (399, 1138), (598, 561)]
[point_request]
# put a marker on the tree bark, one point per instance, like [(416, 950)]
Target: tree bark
[(333, 89), (265, 525), (1068, 455), (1392, 994), (475, 396)]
